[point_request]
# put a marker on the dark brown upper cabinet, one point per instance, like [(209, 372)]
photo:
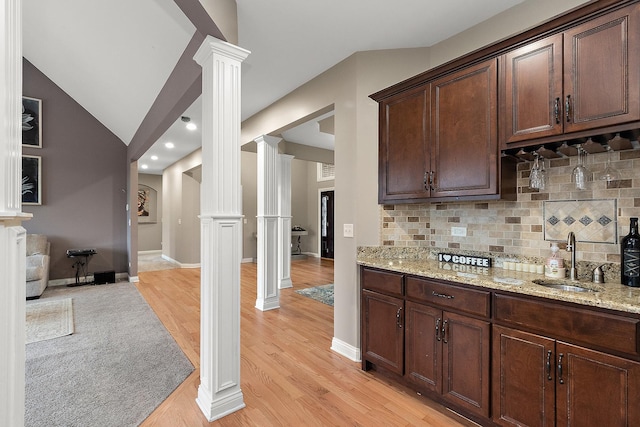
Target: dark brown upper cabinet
[(428, 133), (404, 146), (583, 78), (464, 141)]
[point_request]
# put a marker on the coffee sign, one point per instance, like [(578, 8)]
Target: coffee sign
[(465, 260)]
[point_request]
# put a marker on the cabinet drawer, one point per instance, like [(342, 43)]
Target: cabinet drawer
[(449, 296), (583, 326), (382, 281)]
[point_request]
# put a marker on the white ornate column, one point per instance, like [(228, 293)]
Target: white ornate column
[(12, 235), (219, 393), (284, 221), (268, 292)]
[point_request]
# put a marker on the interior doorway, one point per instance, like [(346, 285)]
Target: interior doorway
[(326, 223)]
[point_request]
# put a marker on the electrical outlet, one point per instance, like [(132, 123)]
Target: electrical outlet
[(459, 231), (347, 230)]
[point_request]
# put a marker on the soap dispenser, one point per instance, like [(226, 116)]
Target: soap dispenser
[(554, 266)]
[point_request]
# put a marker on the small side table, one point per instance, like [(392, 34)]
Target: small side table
[(298, 251), (81, 264)]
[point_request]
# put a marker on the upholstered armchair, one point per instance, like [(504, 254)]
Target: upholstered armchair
[(37, 265)]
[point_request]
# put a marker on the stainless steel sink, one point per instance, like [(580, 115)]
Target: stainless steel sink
[(562, 285)]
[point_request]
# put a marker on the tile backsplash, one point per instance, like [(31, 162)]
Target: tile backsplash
[(523, 227), (593, 221)]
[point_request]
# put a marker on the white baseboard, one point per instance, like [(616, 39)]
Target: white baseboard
[(72, 280), (346, 350), (134, 279), (189, 265), (247, 260), (168, 258), (153, 252), (312, 254)]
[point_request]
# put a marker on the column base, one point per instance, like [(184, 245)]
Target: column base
[(214, 409), (285, 283), (268, 304)]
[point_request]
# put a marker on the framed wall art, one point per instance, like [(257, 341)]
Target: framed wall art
[(31, 122), (147, 204), (31, 180)]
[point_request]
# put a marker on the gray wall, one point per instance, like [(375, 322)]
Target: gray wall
[(84, 172), (150, 233)]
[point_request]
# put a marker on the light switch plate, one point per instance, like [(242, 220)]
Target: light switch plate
[(347, 230)]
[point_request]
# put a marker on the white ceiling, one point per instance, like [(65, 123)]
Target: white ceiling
[(113, 57)]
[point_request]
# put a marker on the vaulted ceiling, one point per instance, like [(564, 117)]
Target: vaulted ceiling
[(114, 57)]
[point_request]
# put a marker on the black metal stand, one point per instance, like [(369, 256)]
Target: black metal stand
[(81, 264)]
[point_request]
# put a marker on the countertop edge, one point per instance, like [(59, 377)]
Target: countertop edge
[(610, 296)]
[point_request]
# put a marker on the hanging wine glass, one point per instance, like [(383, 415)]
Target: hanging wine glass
[(581, 175), (609, 173), (544, 177), (535, 175)]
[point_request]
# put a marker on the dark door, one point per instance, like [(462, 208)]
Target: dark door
[(464, 143), (595, 389), (423, 342), (523, 379), (403, 157), (465, 362), (383, 335), (601, 75), (326, 224)]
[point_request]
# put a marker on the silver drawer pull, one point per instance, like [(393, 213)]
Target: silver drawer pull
[(435, 294)]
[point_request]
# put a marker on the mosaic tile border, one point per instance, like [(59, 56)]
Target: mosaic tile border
[(592, 221)]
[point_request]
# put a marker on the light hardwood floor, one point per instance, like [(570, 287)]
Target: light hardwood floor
[(289, 375)]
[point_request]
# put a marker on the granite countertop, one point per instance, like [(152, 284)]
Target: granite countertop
[(612, 296)]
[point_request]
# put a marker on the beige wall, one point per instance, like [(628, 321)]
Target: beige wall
[(150, 234), (347, 86), (303, 192), (181, 205)]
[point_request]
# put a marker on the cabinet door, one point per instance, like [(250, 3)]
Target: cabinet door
[(464, 146), (466, 345), (523, 379), (531, 95), (423, 340), (403, 146), (601, 69), (383, 334), (596, 389)]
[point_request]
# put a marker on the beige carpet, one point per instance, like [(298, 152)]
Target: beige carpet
[(49, 319)]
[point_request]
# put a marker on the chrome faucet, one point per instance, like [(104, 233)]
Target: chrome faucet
[(571, 247)]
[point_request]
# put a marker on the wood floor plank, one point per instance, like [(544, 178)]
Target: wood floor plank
[(289, 374)]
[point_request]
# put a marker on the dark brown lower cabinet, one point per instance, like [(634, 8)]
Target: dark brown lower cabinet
[(448, 353), (382, 332), (538, 381)]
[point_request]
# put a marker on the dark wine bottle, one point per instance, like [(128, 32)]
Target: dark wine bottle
[(630, 253)]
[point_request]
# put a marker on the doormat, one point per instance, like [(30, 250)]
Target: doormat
[(49, 319), (322, 293)]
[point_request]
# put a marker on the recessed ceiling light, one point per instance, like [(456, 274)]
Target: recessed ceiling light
[(144, 167), (169, 144), (154, 157), (191, 126)]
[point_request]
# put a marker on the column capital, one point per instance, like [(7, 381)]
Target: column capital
[(271, 140), (287, 157), (212, 45)]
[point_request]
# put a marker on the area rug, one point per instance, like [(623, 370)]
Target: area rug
[(49, 319), (116, 368), (322, 293)]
